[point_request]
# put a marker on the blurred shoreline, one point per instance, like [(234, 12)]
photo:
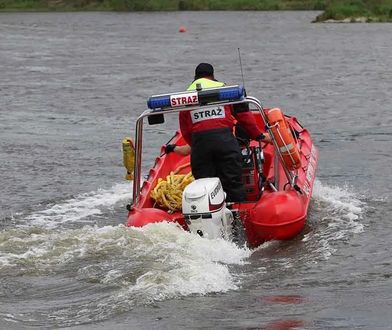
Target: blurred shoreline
[(333, 11)]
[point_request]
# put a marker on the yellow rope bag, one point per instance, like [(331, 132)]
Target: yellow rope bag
[(168, 193)]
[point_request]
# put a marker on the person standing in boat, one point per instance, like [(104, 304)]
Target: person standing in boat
[(214, 150)]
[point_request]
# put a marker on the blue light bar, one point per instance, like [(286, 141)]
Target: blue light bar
[(159, 101), (232, 93), (202, 97)]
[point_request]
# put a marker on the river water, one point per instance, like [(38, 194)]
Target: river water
[(71, 86)]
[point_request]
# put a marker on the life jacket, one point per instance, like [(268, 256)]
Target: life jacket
[(214, 116), (205, 83)]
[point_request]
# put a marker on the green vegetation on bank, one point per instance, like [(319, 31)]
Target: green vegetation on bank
[(161, 5), (351, 10), (357, 10)]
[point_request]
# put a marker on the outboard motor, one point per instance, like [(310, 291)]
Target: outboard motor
[(204, 209)]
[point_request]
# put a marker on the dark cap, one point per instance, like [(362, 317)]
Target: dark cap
[(204, 70)]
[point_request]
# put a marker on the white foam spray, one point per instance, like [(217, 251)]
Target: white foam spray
[(144, 265), (140, 265), (81, 208), (337, 213), (342, 204)]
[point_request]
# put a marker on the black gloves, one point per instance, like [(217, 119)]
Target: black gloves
[(261, 137), (170, 148)]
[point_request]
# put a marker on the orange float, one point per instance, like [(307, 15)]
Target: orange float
[(284, 138)]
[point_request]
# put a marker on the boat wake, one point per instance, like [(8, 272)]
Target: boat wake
[(335, 215), (109, 269), (117, 268), (84, 208)]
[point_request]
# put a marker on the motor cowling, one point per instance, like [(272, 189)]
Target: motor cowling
[(204, 209)]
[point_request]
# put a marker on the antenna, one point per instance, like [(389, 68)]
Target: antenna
[(242, 73)]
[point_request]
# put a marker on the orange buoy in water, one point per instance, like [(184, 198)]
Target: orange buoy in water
[(182, 29)]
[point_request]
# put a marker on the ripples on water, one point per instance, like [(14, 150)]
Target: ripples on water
[(96, 272), (71, 87)]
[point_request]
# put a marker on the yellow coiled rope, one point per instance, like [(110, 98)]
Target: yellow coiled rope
[(168, 193)]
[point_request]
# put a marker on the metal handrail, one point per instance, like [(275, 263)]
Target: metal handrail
[(168, 110)]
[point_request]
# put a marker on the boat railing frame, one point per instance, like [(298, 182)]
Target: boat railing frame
[(168, 110)]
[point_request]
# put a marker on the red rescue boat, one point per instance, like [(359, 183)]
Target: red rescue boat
[(278, 176)]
